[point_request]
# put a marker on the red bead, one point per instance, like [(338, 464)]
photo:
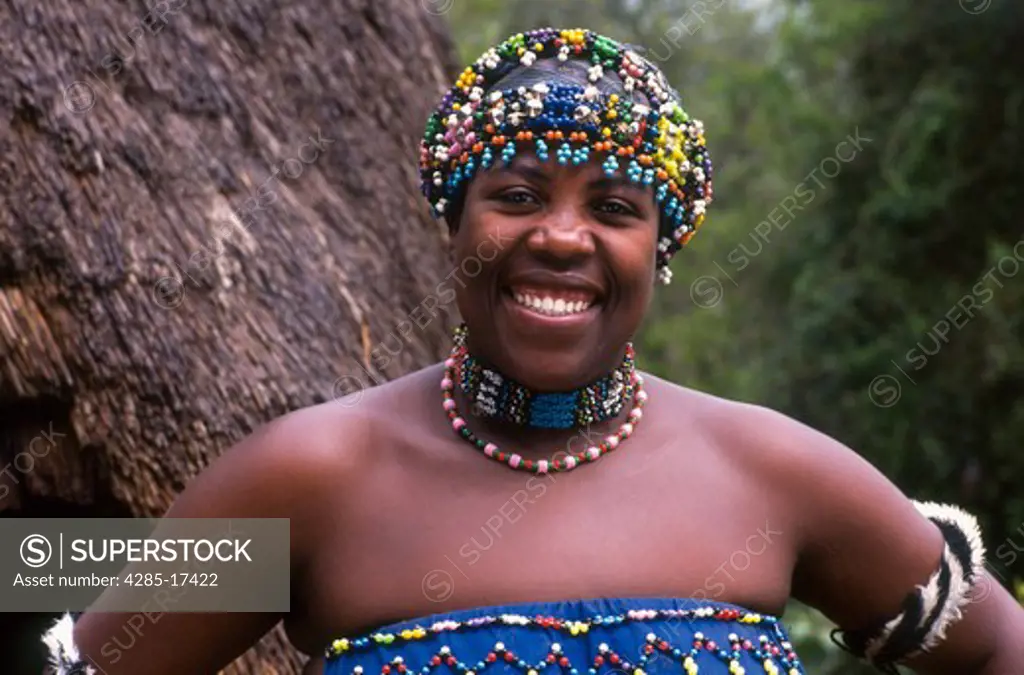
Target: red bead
[(614, 658), (747, 644), (598, 661), (385, 670), (712, 645), (662, 645), (563, 661), (550, 658), (436, 661), (492, 657), (450, 661), (510, 657)]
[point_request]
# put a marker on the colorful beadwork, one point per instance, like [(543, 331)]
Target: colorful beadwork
[(516, 461), (495, 395), (765, 649), (660, 145)]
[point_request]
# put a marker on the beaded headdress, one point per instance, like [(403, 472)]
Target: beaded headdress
[(643, 129)]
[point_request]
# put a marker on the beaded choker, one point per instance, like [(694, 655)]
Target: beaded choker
[(477, 123), (495, 396), (633, 386)]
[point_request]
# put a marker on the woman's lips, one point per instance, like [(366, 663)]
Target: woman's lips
[(556, 302), (551, 308)]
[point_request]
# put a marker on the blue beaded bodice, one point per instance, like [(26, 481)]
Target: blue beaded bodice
[(617, 636)]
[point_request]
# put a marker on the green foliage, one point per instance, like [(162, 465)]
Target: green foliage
[(877, 311)]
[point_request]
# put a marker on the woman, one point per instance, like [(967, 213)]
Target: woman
[(583, 516)]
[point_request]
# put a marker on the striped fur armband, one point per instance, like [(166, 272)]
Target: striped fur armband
[(929, 610), (64, 658)]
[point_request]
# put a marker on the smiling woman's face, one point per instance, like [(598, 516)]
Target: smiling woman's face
[(573, 274)]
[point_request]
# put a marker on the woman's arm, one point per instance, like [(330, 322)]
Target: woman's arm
[(865, 547), (279, 471)]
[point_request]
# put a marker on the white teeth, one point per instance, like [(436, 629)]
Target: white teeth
[(551, 306)]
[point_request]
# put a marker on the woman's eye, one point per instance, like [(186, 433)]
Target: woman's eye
[(616, 208), (518, 197)]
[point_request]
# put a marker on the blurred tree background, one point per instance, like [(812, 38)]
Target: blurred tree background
[(860, 268)]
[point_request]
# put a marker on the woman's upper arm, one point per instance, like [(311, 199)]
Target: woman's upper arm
[(277, 472), (865, 547)]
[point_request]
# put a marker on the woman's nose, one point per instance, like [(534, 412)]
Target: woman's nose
[(563, 233)]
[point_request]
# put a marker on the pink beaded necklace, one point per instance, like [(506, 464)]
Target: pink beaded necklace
[(516, 461)]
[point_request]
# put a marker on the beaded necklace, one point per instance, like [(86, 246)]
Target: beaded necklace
[(496, 396), (459, 356)]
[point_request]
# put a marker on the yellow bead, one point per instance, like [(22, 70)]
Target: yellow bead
[(520, 51), (612, 114), (606, 132), (538, 47), (614, 98)]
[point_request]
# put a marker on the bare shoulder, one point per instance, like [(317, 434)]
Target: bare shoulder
[(286, 466), (817, 478), (753, 433)]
